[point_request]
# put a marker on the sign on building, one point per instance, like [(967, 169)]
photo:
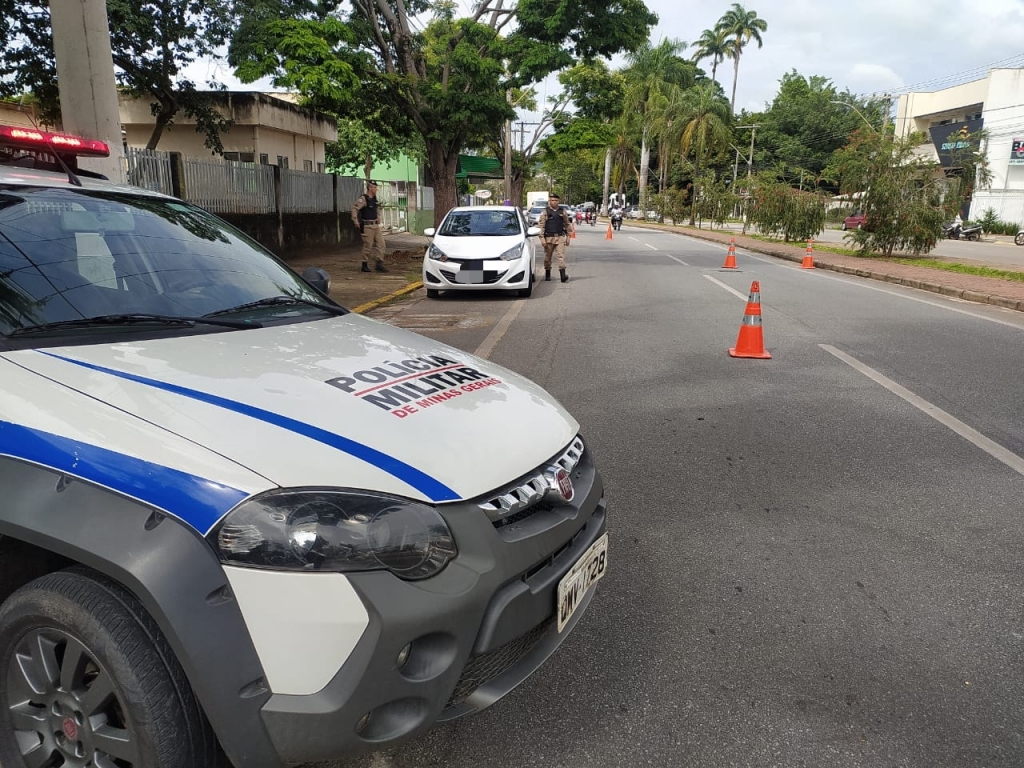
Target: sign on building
[(1017, 153), (953, 139)]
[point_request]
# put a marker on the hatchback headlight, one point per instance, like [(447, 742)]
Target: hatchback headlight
[(335, 530), (513, 253), (435, 253)]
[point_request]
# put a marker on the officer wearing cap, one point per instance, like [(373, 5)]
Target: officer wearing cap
[(366, 217), (555, 230)]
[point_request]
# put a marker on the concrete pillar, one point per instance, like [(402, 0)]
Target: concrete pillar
[(85, 79)]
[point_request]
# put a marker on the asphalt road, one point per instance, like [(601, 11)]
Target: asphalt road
[(815, 559)]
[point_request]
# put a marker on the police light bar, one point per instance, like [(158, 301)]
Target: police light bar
[(43, 141)]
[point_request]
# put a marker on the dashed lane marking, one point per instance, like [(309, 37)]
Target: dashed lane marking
[(992, 448), (675, 259), (731, 290)]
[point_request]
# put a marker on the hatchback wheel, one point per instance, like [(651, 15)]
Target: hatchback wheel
[(528, 290), (87, 681), (433, 293)]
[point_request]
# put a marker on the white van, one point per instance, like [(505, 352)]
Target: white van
[(237, 514)]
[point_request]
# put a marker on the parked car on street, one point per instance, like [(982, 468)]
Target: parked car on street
[(856, 220), (240, 518), (481, 248), (533, 215), (633, 213)]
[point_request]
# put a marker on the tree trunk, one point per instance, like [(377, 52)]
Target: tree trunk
[(607, 177), (443, 166), (163, 117), (368, 166), (735, 78), (714, 68), (518, 182), (693, 190), (645, 169)]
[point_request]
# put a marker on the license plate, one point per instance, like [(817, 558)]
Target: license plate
[(574, 585), (469, 276)]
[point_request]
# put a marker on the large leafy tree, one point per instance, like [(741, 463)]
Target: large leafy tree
[(448, 76), (807, 121), (152, 42), (740, 27)]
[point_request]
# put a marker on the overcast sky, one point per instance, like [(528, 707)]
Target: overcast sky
[(867, 46)]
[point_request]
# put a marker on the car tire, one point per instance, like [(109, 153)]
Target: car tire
[(1019, 239), (98, 677), (433, 293), (528, 290)]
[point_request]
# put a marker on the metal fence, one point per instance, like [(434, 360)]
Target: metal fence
[(306, 192), (227, 186), (149, 169)]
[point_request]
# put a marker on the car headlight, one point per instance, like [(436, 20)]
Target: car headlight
[(512, 253), (335, 530), (435, 253)]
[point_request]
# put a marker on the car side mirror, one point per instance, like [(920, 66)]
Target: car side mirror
[(319, 279), (533, 231), (429, 232)]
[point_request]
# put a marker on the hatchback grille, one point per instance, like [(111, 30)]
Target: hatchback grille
[(525, 497)]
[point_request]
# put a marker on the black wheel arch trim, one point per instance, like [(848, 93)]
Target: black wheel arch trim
[(172, 570)]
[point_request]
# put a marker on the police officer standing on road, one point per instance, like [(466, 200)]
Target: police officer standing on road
[(555, 229), (365, 216)]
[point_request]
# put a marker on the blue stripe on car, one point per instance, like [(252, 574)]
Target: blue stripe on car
[(197, 501), (433, 489)]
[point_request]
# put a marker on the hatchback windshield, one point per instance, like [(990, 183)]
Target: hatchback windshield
[(69, 255), (481, 224)]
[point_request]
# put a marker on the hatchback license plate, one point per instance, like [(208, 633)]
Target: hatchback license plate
[(574, 585), (469, 276)]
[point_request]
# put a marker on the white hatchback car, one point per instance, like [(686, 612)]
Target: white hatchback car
[(485, 247)]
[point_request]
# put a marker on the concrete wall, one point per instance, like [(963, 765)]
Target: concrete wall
[(299, 231)]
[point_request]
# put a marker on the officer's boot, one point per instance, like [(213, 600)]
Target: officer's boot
[(565, 277), (365, 267), (380, 267), (547, 273)]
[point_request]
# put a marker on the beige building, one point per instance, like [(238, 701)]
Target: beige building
[(267, 128), (20, 116)]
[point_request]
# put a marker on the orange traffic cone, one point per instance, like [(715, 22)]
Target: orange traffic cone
[(573, 235), (750, 342), (730, 257), (608, 234), (808, 262)]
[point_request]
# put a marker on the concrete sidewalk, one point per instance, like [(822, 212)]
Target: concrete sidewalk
[(984, 290), (360, 291)]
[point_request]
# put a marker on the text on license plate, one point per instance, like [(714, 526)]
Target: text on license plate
[(581, 577)]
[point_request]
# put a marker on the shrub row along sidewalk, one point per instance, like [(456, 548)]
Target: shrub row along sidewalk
[(984, 290)]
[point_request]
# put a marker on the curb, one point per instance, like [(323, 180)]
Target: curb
[(940, 288), (364, 308)]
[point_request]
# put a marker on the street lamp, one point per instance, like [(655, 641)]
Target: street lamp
[(868, 124)]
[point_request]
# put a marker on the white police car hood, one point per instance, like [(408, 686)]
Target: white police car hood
[(342, 402)]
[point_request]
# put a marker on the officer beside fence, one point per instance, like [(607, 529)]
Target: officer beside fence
[(367, 218), (555, 230)]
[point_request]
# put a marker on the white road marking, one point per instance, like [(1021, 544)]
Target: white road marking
[(733, 291), (650, 246), (499, 330), (993, 449), (675, 259)]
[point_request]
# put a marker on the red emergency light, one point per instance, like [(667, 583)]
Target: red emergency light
[(43, 141)]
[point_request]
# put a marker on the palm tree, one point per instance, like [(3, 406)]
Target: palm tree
[(712, 44), (740, 26), (707, 119), (652, 72)]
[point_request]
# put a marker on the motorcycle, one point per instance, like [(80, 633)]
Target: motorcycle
[(959, 232), (617, 221)]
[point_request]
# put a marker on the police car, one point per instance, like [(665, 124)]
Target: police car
[(238, 517)]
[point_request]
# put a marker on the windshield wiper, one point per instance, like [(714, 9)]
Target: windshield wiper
[(272, 301), (135, 318)]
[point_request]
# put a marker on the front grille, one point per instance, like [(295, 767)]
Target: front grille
[(487, 666), (524, 497)]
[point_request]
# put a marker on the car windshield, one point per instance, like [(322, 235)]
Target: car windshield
[(481, 224), (72, 255)]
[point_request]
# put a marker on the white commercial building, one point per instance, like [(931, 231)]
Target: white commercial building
[(994, 104)]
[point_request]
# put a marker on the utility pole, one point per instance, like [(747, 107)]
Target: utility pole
[(85, 80), (750, 168)]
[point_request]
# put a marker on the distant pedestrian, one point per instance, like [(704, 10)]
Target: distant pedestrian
[(555, 229), (367, 218)]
